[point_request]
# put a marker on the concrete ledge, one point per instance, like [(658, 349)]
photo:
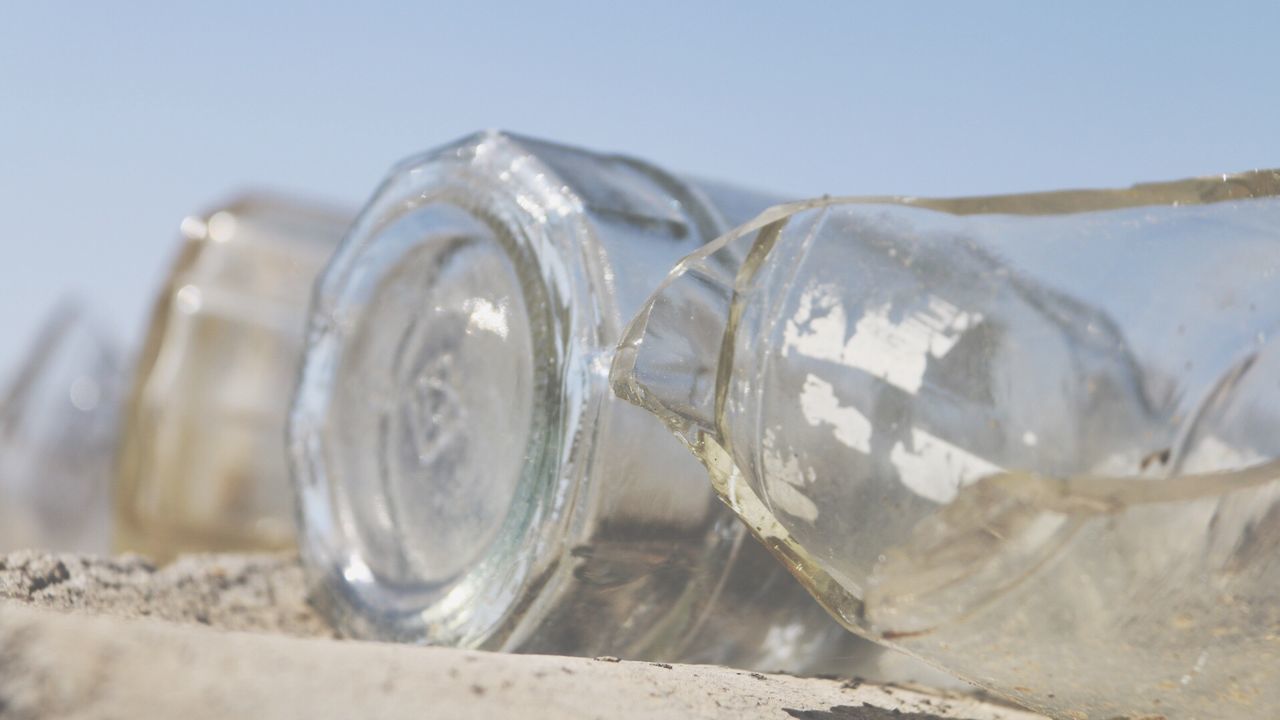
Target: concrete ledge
[(73, 646)]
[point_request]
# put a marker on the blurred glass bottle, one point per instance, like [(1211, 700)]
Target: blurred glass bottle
[(58, 428), (1030, 439), (202, 461), (466, 476)]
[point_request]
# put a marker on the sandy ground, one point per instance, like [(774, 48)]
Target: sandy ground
[(255, 593), (233, 636)]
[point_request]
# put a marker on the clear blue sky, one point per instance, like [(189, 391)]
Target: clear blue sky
[(116, 119)]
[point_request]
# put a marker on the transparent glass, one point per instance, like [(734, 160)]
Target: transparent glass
[(59, 420), (202, 461), (1029, 439), (467, 478)]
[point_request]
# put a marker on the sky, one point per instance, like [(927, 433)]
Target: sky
[(118, 119)]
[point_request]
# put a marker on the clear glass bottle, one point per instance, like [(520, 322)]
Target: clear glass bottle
[(467, 478), (1031, 439), (59, 418), (202, 462)]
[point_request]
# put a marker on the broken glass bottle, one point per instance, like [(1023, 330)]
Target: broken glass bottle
[(1030, 439), (202, 459), (465, 475)]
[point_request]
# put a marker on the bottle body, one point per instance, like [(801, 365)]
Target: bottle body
[(1027, 439), (465, 475), (202, 464), (58, 429)]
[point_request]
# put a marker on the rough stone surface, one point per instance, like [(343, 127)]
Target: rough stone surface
[(262, 593), (92, 639)]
